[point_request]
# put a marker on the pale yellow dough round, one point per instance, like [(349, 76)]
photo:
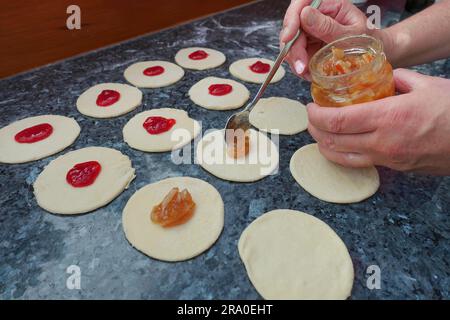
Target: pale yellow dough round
[(261, 161), (329, 181), (180, 242), (135, 74), (199, 94), (184, 130), (54, 194), (241, 70), (292, 255), (287, 116), (214, 59), (130, 99), (65, 132)]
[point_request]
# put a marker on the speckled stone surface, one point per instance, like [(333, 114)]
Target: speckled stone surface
[(404, 228)]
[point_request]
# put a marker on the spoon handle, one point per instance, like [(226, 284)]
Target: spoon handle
[(278, 62)]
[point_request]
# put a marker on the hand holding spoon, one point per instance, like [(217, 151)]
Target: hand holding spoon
[(240, 120)]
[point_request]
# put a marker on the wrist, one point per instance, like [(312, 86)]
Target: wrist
[(388, 40)]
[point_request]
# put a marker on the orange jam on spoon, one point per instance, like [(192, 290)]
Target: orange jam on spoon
[(238, 143)]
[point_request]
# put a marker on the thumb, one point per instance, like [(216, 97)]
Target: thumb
[(408, 80), (321, 26)]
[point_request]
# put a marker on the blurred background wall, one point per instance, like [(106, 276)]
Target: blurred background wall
[(34, 32)]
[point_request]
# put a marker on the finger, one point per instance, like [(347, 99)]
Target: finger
[(298, 57), (356, 143), (321, 26), (357, 118), (291, 22), (343, 11), (407, 80), (307, 76), (346, 159)]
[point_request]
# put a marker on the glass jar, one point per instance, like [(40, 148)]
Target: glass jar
[(368, 76)]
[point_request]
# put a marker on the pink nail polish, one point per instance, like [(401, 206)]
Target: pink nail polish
[(299, 67)]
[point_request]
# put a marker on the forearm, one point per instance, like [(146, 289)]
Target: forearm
[(421, 38)]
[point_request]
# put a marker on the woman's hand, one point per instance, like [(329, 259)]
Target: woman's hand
[(333, 19), (407, 132)]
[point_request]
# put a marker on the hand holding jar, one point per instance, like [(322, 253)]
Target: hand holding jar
[(406, 132), (409, 131)]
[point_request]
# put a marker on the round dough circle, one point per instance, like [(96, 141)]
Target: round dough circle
[(213, 157), (289, 254), (241, 70), (65, 131), (181, 242), (199, 94), (55, 195), (214, 59), (329, 181), (130, 99), (285, 115), (135, 74), (184, 130)]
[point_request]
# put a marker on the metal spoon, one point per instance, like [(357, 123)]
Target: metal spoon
[(240, 120)]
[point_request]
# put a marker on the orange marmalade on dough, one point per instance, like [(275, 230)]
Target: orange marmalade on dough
[(349, 71), (175, 209), (238, 143)]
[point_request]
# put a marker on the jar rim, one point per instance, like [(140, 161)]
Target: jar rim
[(314, 73)]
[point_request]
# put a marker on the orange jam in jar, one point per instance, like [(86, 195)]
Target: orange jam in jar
[(351, 70)]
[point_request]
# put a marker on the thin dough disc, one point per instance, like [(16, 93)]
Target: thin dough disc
[(181, 242), (214, 59), (130, 99), (55, 195), (65, 131), (289, 254), (199, 94), (184, 130), (241, 70), (135, 74), (276, 113), (329, 181), (261, 161)]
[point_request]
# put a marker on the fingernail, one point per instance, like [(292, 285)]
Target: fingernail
[(299, 67), (311, 18)]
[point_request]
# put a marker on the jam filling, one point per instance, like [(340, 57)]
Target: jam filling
[(157, 125), (153, 71), (220, 89), (34, 134), (341, 63), (175, 209), (198, 55), (83, 174), (260, 67), (238, 143), (107, 98)]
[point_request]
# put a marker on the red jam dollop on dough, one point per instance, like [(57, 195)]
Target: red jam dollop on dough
[(156, 125), (260, 67), (220, 89), (83, 174), (175, 209), (34, 134), (107, 98), (198, 55), (153, 71)]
